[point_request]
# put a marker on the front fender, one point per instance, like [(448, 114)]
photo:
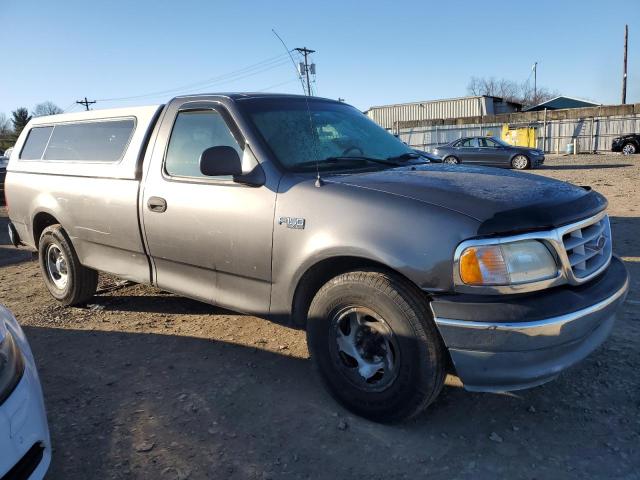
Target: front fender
[(408, 236)]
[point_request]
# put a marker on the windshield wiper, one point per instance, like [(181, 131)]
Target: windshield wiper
[(405, 156), (349, 158)]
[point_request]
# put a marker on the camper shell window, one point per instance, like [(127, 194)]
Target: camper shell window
[(101, 141)]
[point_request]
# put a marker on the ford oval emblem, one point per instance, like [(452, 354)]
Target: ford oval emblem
[(601, 242)]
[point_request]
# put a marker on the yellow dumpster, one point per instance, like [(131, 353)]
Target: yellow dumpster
[(520, 136)]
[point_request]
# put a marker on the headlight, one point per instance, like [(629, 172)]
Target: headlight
[(11, 363), (507, 264)]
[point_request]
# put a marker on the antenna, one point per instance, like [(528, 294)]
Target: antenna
[(319, 181)]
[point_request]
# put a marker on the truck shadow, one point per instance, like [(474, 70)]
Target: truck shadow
[(140, 405)]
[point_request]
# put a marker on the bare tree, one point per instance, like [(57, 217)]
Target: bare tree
[(509, 90), (46, 108)]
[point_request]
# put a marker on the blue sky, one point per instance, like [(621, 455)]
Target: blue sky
[(369, 53)]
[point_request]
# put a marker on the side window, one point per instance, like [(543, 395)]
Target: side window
[(194, 132), (468, 143), (36, 143), (487, 143)]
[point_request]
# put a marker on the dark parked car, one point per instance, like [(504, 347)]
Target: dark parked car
[(627, 144), (3, 173), (490, 151)]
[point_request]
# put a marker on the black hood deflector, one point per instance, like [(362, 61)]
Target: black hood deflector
[(544, 215)]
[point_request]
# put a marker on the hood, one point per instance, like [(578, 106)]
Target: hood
[(501, 200), (527, 149)]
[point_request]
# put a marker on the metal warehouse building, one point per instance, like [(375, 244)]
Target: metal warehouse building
[(388, 116)]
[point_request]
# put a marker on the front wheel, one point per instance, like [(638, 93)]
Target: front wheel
[(520, 162), (451, 160), (629, 149), (375, 346), (67, 280)]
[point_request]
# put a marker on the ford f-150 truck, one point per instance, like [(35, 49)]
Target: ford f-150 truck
[(302, 210)]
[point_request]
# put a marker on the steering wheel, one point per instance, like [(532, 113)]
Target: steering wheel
[(353, 148)]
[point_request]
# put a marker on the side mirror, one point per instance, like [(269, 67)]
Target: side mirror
[(220, 161)]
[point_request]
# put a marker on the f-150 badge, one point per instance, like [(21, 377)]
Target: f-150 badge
[(292, 222)]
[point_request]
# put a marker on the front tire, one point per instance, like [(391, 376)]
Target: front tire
[(520, 162), (67, 280), (629, 149), (375, 346)]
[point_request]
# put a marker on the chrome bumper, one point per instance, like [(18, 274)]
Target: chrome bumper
[(503, 356)]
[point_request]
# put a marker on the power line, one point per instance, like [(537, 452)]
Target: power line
[(235, 75), (278, 85), (69, 107)]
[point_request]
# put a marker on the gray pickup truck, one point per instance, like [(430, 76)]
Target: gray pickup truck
[(302, 210)]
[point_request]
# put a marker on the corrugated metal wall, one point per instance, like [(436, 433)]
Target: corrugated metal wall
[(592, 134), (389, 115)]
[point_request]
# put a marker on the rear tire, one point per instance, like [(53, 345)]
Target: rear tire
[(451, 160), (629, 149), (67, 280), (375, 346)]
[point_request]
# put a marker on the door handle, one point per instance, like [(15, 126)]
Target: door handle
[(157, 204)]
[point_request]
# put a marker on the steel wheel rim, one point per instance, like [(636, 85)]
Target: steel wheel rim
[(520, 162), (57, 266), (364, 348), (628, 149)]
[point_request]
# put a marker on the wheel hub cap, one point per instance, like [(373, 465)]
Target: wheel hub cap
[(57, 266), (365, 348)]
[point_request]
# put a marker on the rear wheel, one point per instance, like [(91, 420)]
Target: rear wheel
[(451, 160), (520, 162), (375, 346), (68, 281), (629, 149)]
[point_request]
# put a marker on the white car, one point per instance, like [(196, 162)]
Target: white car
[(25, 447)]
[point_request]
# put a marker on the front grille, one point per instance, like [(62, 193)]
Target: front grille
[(27, 464), (588, 247)]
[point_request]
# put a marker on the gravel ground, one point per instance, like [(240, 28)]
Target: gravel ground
[(145, 384)]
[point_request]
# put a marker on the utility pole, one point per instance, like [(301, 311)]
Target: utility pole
[(85, 102), (624, 66), (535, 83), (306, 52)]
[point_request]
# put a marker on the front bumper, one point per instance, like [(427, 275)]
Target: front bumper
[(25, 447), (502, 344)]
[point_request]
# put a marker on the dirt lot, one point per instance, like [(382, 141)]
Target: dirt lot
[(145, 384)]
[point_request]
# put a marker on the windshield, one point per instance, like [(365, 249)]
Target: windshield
[(336, 135)]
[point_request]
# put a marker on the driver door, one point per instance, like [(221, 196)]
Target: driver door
[(209, 238)]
